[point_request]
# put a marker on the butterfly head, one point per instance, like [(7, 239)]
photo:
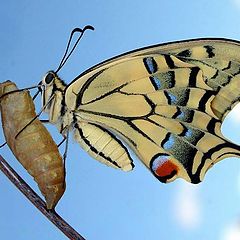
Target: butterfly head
[(49, 78), (50, 85)]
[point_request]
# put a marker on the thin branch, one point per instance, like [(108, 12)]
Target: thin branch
[(38, 202)]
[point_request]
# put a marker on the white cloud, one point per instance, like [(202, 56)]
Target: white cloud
[(236, 2), (232, 232), (187, 207)]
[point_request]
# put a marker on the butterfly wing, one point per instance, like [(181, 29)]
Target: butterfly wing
[(102, 145), (167, 102)]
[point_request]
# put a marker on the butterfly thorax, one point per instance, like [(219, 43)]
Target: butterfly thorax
[(53, 101)]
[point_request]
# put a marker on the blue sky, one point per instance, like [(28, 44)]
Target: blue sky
[(100, 202)]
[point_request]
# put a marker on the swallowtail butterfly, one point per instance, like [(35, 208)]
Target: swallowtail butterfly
[(167, 102)]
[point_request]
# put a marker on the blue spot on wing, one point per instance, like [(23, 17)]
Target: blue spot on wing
[(150, 64), (185, 115), (181, 115), (188, 133), (193, 135), (173, 98), (169, 143), (156, 82)]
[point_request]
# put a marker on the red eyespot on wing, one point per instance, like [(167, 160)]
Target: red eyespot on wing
[(166, 169), (163, 168)]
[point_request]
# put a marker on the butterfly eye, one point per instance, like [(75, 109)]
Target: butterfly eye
[(49, 78)]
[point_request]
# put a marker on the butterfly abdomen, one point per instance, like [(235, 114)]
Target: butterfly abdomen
[(34, 146)]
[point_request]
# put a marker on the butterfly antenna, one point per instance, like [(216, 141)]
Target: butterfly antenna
[(66, 54)]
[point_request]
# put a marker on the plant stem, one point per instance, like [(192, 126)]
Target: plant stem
[(64, 227)]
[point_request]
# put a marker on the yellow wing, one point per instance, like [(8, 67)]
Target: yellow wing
[(167, 102)]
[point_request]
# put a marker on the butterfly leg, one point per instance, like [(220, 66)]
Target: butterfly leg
[(2, 145), (44, 120)]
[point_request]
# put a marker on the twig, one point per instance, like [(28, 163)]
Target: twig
[(38, 202)]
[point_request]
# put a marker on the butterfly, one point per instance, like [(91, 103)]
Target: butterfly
[(166, 102)]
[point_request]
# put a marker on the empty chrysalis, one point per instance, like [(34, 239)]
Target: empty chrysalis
[(34, 147)]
